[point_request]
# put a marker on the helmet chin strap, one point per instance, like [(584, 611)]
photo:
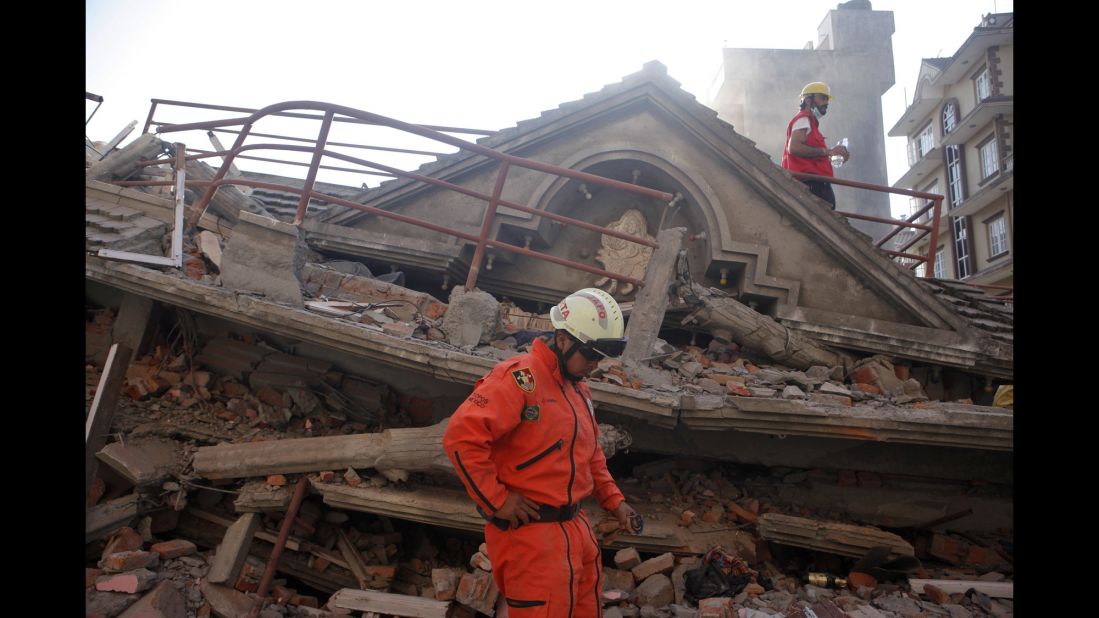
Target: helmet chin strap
[(563, 361)]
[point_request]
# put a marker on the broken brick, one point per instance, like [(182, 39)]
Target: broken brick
[(353, 479), (861, 580), (936, 594), (96, 491), (128, 582), (627, 558), (480, 561), (276, 480), (282, 594), (663, 563), (444, 582), (305, 601), (477, 590), (738, 389), (742, 513), (328, 476), (128, 561), (121, 540), (174, 549), (716, 607), (714, 515), (866, 388)]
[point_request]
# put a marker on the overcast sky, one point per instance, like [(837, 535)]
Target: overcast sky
[(479, 64)]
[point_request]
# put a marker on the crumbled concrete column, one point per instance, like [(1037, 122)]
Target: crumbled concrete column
[(265, 256), (472, 317), (648, 310)]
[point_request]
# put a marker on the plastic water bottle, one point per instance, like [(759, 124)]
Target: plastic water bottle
[(837, 160)]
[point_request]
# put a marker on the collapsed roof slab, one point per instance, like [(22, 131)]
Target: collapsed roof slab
[(983, 428), (777, 448)]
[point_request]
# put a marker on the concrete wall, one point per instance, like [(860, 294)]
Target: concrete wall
[(1007, 65), (759, 96)]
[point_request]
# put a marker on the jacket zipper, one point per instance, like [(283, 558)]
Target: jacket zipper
[(572, 447), (556, 445)]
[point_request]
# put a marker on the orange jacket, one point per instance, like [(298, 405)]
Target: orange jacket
[(527, 429)]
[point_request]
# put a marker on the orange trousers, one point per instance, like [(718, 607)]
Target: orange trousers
[(548, 570)]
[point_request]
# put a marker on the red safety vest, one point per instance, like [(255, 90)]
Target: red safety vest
[(821, 166)]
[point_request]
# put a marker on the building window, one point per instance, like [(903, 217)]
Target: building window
[(920, 145), (990, 161), (920, 270), (940, 264), (916, 203), (927, 140), (983, 83), (963, 263), (997, 236), (954, 182), (950, 117)]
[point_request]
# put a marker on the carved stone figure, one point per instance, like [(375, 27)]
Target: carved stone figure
[(622, 256)]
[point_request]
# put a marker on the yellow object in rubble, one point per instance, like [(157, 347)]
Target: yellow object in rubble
[(1005, 396)]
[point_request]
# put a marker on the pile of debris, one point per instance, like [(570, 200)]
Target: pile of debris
[(162, 537)]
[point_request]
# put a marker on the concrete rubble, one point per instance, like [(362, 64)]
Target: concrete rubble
[(174, 535), (777, 476)]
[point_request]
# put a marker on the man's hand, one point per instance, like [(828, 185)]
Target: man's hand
[(841, 151), (518, 510), (628, 519)]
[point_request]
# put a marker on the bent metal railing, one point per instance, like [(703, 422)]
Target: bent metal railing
[(319, 151), (935, 204)]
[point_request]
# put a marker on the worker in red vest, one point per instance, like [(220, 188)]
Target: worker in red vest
[(806, 148), (524, 445)]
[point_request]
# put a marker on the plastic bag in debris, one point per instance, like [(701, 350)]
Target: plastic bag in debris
[(719, 574)]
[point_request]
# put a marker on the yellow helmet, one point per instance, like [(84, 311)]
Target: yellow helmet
[(815, 88)]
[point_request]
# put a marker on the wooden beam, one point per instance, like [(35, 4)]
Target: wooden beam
[(386, 603), (98, 423), (834, 538), (353, 558), (1000, 590)]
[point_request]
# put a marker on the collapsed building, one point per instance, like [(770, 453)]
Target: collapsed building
[(300, 345)]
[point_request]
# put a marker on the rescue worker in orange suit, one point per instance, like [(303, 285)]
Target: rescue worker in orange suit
[(806, 148), (524, 445)]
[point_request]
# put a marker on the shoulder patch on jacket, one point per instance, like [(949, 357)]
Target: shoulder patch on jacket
[(524, 378)]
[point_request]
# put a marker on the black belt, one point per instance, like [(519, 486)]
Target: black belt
[(546, 514)]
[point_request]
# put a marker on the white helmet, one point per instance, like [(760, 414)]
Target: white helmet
[(592, 317)]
